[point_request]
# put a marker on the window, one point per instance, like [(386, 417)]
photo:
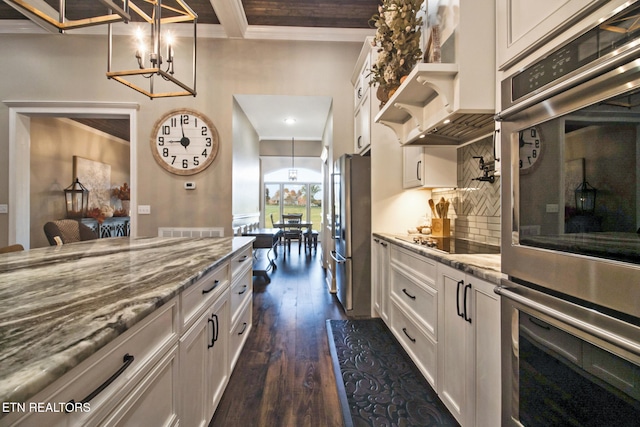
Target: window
[(293, 197)]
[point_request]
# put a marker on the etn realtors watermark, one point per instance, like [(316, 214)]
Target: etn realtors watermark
[(67, 407)]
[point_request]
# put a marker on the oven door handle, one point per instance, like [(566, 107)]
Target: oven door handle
[(582, 325)]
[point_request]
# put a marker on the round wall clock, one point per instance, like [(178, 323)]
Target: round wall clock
[(530, 148), (184, 142)]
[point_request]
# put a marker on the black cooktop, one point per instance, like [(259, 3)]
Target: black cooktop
[(452, 245)]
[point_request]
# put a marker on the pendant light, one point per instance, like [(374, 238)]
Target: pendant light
[(293, 172)]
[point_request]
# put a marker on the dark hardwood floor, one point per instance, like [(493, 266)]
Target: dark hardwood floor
[(284, 376)]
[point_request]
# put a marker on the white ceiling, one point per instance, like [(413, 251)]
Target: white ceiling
[(267, 114)]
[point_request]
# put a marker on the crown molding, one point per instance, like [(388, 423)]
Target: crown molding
[(208, 31)]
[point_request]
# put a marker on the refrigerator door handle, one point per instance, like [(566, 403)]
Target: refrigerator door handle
[(335, 256)]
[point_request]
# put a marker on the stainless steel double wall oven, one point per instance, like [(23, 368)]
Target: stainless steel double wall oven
[(570, 148)]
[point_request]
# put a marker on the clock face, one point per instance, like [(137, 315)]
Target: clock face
[(184, 142), (530, 148)]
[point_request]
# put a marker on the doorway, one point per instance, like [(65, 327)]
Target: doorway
[(20, 114)]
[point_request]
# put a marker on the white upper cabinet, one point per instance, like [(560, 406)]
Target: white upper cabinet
[(363, 104), (453, 101), (429, 166), (524, 25)]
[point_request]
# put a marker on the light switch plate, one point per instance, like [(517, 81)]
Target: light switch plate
[(4, 208), (552, 208), (144, 209)]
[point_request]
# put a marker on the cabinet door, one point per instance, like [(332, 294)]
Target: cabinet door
[(523, 24), (362, 122), (154, 401), (485, 311), (204, 364), (217, 372), (380, 278), (453, 341), (440, 167), (411, 167)]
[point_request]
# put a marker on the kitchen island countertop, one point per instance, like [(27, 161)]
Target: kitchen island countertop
[(483, 266), (61, 304)]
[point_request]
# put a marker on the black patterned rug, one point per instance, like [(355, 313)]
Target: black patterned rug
[(380, 384)]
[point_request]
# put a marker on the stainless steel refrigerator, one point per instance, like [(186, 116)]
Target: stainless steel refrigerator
[(352, 233)]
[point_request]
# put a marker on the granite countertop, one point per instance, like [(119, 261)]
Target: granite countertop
[(484, 266), (59, 305)]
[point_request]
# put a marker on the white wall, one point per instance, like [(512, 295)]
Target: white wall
[(55, 67)]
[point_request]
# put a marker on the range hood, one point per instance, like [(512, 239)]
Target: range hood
[(442, 104)]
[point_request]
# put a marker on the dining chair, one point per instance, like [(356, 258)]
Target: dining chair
[(67, 231), (12, 248), (292, 232)]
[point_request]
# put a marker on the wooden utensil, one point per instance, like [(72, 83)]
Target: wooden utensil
[(433, 208), (445, 213), (440, 207)]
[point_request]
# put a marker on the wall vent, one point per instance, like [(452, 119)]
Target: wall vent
[(190, 232)]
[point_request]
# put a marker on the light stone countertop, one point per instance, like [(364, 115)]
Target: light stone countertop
[(483, 266), (59, 305)]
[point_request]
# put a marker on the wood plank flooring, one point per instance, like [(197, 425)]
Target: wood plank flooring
[(284, 376)]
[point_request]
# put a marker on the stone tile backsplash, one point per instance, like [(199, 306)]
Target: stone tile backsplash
[(475, 205)]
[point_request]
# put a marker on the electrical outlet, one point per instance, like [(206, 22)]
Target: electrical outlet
[(552, 208), (4, 209), (144, 209)]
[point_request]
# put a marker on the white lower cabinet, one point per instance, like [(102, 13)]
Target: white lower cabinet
[(449, 324), (204, 363), (469, 348), (170, 369), (414, 308), (154, 401), (380, 278)]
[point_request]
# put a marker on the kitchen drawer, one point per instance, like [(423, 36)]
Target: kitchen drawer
[(240, 332), (418, 299), (421, 348), (241, 262), (201, 293), (618, 372), (155, 401), (423, 268), (147, 342), (241, 289), (549, 337)]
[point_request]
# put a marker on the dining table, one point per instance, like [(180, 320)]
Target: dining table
[(307, 226)]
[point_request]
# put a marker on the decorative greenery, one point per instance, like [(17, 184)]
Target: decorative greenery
[(398, 41), (123, 192)]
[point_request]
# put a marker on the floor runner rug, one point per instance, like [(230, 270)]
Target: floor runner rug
[(378, 384)]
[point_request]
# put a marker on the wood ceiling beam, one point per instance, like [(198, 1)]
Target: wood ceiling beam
[(231, 15)]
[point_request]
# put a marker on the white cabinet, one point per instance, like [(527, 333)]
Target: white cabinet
[(414, 308), (154, 401), (366, 104), (451, 102), (523, 25), (430, 166), (169, 369), (380, 278), (204, 363), (362, 123), (468, 347), (118, 381)]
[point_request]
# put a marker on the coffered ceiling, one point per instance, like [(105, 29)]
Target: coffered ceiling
[(335, 20)]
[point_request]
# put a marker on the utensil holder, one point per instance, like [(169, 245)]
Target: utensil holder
[(440, 227)]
